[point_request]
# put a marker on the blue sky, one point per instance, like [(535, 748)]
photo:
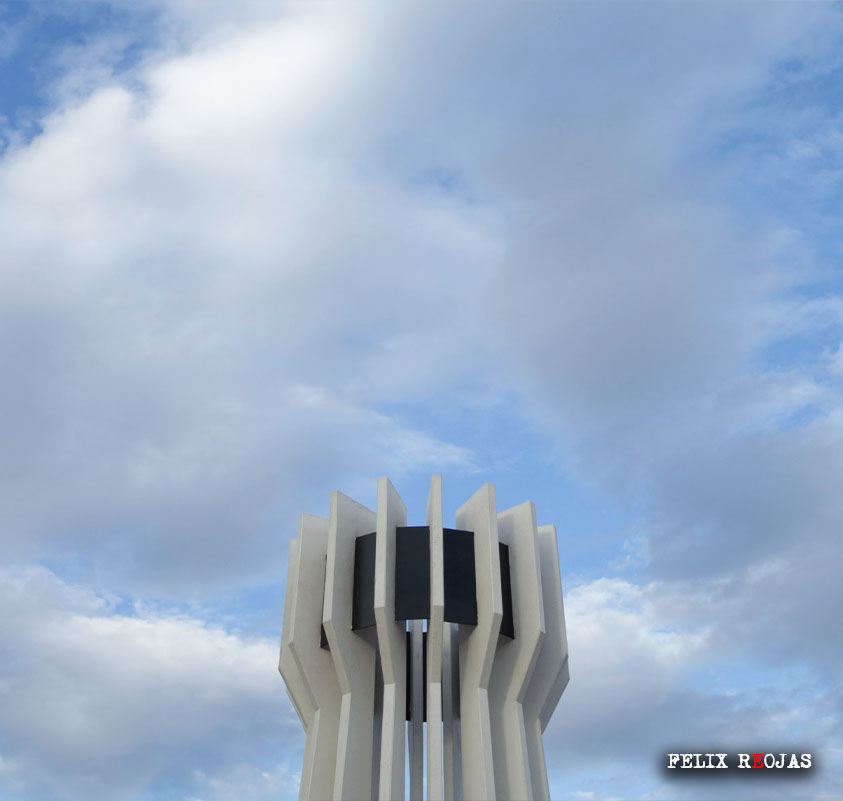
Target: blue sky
[(252, 254)]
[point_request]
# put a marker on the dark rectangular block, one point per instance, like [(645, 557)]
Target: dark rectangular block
[(507, 623), (412, 573), (409, 710), (460, 581), (363, 598)]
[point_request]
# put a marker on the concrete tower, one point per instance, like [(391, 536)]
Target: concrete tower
[(393, 632)]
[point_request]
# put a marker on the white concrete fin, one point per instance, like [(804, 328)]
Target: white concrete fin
[(314, 665), (392, 643), (435, 628), (298, 711), (562, 679), (297, 690), (516, 659), (354, 657), (478, 646), (550, 671)]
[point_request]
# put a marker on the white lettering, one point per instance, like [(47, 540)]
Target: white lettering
[(770, 761)]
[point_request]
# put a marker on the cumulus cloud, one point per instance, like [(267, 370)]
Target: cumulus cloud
[(646, 681), (101, 704), (98, 705), (247, 783), (201, 306), (231, 267)]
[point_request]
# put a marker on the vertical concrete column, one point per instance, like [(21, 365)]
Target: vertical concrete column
[(354, 657), (451, 730), (297, 692), (416, 723), (516, 658), (550, 675), (435, 631), (314, 680), (392, 643), (477, 649)]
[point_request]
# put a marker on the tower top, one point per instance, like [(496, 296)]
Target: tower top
[(389, 628)]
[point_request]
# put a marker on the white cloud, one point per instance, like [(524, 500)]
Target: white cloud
[(224, 272), (196, 265), (98, 705), (247, 218), (649, 676), (246, 783), (625, 663)]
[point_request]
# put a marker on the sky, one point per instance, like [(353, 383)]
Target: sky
[(252, 253)]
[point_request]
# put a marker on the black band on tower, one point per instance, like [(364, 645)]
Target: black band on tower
[(412, 579), (460, 580), (363, 597), (412, 573), (507, 623)]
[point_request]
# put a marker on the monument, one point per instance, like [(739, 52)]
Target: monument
[(396, 637)]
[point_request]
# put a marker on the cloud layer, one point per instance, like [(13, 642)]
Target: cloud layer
[(99, 705), (250, 258)]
